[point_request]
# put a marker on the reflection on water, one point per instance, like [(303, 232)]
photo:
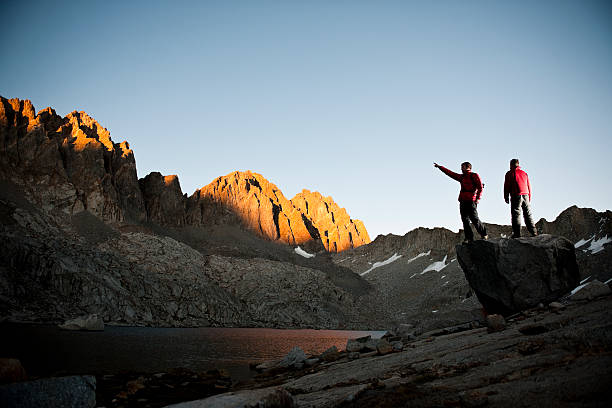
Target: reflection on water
[(46, 350)]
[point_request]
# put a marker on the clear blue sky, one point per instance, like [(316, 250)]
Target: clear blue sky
[(352, 99)]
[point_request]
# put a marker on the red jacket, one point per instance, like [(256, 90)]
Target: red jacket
[(517, 183), (471, 186)]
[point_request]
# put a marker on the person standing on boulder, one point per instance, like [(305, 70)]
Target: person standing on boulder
[(469, 196), (518, 188)]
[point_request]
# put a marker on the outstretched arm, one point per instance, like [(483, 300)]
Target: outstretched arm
[(449, 173)]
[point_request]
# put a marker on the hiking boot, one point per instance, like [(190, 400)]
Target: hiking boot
[(515, 236), (534, 234)]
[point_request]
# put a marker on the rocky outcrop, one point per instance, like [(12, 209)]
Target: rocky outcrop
[(68, 164), (163, 198), (309, 219), (578, 224), (135, 279), (591, 233), (87, 323), (542, 358), (337, 230), (259, 205), (281, 294), (510, 275)]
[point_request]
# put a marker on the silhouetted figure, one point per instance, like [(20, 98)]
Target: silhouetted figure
[(469, 196), (518, 188)]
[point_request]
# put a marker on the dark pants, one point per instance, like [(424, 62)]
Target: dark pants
[(518, 203), (468, 212)]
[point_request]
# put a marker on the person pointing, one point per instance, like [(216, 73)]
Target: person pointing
[(469, 197)]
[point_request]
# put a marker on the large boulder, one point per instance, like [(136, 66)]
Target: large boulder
[(296, 356), (510, 275)]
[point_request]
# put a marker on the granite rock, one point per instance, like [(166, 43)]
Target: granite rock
[(510, 275)]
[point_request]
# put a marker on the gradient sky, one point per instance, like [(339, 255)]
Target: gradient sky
[(353, 99)]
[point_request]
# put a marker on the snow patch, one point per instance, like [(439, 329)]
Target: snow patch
[(504, 236), (445, 283), (436, 266), (608, 281), (582, 242), (394, 258), (420, 255), (412, 276), (584, 280), (303, 253), (578, 288), (434, 311), (598, 244), (443, 276)]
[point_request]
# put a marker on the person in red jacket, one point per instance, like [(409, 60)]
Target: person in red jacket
[(469, 196), (518, 188)]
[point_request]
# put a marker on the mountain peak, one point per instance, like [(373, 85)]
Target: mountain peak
[(308, 217), (338, 231)]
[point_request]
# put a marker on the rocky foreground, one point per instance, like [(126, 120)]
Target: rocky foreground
[(559, 355), (544, 357)]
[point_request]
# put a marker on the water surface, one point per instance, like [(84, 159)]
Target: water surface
[(46, 350)]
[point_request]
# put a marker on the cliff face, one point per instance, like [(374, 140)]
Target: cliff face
[(337, 230), (579, 224), (164, 201), (68, 164), (259, 205), (308, 219)]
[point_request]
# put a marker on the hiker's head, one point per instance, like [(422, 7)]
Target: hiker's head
[(514, 163), (465, 167)]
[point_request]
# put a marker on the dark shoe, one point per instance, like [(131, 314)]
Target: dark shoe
[(515, 236)]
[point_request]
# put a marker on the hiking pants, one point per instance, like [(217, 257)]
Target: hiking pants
[(468, 212), (518, 203)]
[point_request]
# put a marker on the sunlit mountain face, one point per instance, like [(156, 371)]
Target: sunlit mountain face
[(85, 170)]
